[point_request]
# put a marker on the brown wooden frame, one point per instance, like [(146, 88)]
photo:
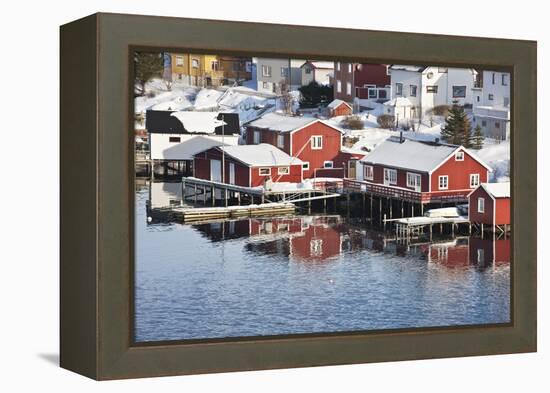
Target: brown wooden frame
[(97, 196)]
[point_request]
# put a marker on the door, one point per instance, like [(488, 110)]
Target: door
[(352, 165), (231, 173), (216, 170)]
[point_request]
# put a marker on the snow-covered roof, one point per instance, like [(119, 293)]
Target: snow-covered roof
[(280, 122), (321, 64), (497, 190), (403, 67), (263, 154), (203, 122), (336, 103), (399, 101), (413, 155), (194, 145)]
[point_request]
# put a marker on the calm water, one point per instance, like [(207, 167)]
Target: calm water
[(305, 274)]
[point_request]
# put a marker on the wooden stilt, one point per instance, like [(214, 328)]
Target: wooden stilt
[(213, 196)]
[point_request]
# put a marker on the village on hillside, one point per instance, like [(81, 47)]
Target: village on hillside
[(416, 146)]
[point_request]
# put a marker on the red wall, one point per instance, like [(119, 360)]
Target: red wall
[(502, 214), (326, 237), (378, 172), (459, 173), (495, 251), (480, 218), (270, 137), (341, 110), (202, 167), (294, 176), (372, 74)]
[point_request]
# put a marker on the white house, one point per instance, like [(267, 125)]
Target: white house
[(428, 87), (178, 136), (317, 71), (491, 109), (272, 73)]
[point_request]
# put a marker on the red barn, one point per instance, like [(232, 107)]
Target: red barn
[(315, 142), (422, 172), (489, 204), (247, 165), (339, 108)]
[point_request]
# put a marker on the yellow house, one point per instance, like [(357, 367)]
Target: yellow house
[(197, 69)]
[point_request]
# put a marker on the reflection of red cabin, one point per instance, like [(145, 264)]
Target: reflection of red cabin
[(319, 240), (339, 108), (422, 172), (489, 251), (473, 251), (455, 254), (315, 142), (247, 165), (490, 204)]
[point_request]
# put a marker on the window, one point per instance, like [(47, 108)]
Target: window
[(316, 247), (284, 72), (443, 182), (195, 63), (491, 97), (338, 66), (373, 93), (280, 141), (348, 88), (256, 137), (474, 180), (431, 89), (399, 89), (483, 123), (266, 70), (283, 170), (328, 164), (174, 139), (305, 166), (459, 156), (317, 142), (478, 98), (179, 61), (497, 124), (265, 171), (493, 78), (215, 65), (339, 86), (307, 70), (265, 85), (349, 68), (506, 101), (413, 90), (459, 91), (390, 176), (504, 80), (369, 172), (414, 181), (481, 205)]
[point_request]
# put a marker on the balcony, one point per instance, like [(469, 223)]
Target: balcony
[(494, 112)]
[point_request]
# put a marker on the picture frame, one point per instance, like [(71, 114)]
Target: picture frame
[(97, 199)]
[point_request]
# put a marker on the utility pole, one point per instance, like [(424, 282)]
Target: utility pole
[(223, 148)]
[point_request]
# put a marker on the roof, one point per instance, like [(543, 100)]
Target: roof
[(414, 155), (412, 68), (321, 64), (399, 101), (187, 122), (279, 122), (336, 103), (263, 154), (497, 190), (188, 148)]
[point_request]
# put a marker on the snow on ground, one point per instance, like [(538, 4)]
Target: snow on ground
[(207, 99), (497, 156)]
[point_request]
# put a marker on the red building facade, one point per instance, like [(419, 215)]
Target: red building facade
[(359, 76), (489, 204)]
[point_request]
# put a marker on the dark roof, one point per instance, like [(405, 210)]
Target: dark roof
[(162, 122)]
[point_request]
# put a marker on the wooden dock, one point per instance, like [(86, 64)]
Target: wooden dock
[(192, 214), (408, 227)]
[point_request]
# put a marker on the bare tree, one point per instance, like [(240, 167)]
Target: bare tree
[(286, 99)]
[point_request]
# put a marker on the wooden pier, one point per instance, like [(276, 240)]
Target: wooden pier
[(191, 214), (408, 227)]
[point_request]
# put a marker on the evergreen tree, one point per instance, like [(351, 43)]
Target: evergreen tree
[(147, 66), (477, 138), (457, 130)]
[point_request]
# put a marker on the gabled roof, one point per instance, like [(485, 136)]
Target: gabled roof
[(279, 122), (414, 155), (188, 122), (336, 103), (412, 68), (320, 64), (497, 190), (263, 154)]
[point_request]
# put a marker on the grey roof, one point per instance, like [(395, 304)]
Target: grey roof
[(263, 154), (497, 190), (413, 155), (279, 122)]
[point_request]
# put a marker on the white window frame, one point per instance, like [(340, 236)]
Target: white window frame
[(328, 164), (459, 156), (338, 66), (195, 63), (256, 137), (338, 85), (432, 89), (390, 176), (284, 72), (454, 87), (348, 88), (446, 181), (481, 205), (179, 61), (283, 170), (350, 68), (416, 176), (305, 166), (314, 144), (411, 87), (266, 170), (266, 70), (281, 141), (399, 89), (474, 180), (369, 172)]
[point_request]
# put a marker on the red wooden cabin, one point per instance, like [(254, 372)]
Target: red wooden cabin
[(315, 142), (422, 172), (339, 108), (489, 204), (247, 165)]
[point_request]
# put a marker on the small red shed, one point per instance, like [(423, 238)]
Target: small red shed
[(489, 204), (339, 108), (317, 143), (247, 165)]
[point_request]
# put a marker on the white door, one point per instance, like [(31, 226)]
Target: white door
[(216, 170), (231, 173)]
